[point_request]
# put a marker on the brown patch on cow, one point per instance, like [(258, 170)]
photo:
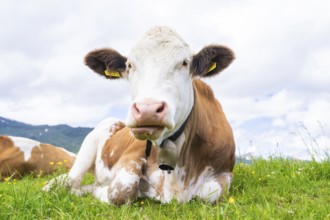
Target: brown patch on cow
[(48, 158), (106, 59), (209, 137), (6, 143), (11, 159), (203, 60), (125, 147)]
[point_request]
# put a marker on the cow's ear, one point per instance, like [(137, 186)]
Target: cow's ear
[(211, 60), (106, 62)]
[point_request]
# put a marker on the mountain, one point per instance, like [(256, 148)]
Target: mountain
[(58, 135)]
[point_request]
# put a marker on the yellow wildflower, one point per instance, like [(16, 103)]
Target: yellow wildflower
[(59, 163), (231, 200), (65, 161), (51, 163)]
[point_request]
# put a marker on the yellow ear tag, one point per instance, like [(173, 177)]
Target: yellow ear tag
[(112, 74), (212, 67)]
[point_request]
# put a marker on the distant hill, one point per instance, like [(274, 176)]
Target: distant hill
[(59, 135)]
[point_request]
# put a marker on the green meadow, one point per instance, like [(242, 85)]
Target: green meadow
[(265, 189)]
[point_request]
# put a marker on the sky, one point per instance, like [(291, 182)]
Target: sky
[(276, 94)]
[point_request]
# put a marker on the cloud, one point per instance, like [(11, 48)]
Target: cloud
[(316, 72), (278, 80), (287, 126)]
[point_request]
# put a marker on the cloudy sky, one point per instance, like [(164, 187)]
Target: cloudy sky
[(276, 94)]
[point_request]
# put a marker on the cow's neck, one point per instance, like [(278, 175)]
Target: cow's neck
[(179, 132), (169, 148)]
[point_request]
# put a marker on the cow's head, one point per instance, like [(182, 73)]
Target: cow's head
[(159, 69)]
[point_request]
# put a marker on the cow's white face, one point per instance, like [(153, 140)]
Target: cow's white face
[(159, 69), (161, 84)]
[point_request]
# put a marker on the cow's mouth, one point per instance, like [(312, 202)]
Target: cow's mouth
[(147, 132)]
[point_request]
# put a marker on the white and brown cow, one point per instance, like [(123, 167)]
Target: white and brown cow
[(20, 156), (193, 149)]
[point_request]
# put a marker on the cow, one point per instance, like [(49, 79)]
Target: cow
[(20, 156), (176, 142)]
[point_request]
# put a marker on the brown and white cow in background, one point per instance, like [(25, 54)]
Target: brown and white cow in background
[(20, 156), (193, 149)]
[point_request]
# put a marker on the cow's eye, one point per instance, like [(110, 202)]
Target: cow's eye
[(185, 63), (129, 66)]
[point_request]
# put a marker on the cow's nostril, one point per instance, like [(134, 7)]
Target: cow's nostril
[(136, 109), (161, 108)]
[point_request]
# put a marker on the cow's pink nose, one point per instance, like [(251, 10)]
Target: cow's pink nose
[(149, 113)]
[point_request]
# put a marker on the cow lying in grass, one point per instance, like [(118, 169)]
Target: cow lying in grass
[(176, 142), (20, 156)]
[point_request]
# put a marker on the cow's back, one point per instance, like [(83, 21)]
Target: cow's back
[(47, 158)]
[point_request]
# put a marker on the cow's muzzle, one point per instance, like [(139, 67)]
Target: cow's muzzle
[(149, 119)]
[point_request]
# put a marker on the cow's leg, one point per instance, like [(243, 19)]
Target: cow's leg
[(118, 185), (123, 188), (124, 176), (93, 142), (83, 190), (215, 188), (99, 191)]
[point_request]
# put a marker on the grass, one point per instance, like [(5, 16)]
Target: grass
[(266, 189)]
